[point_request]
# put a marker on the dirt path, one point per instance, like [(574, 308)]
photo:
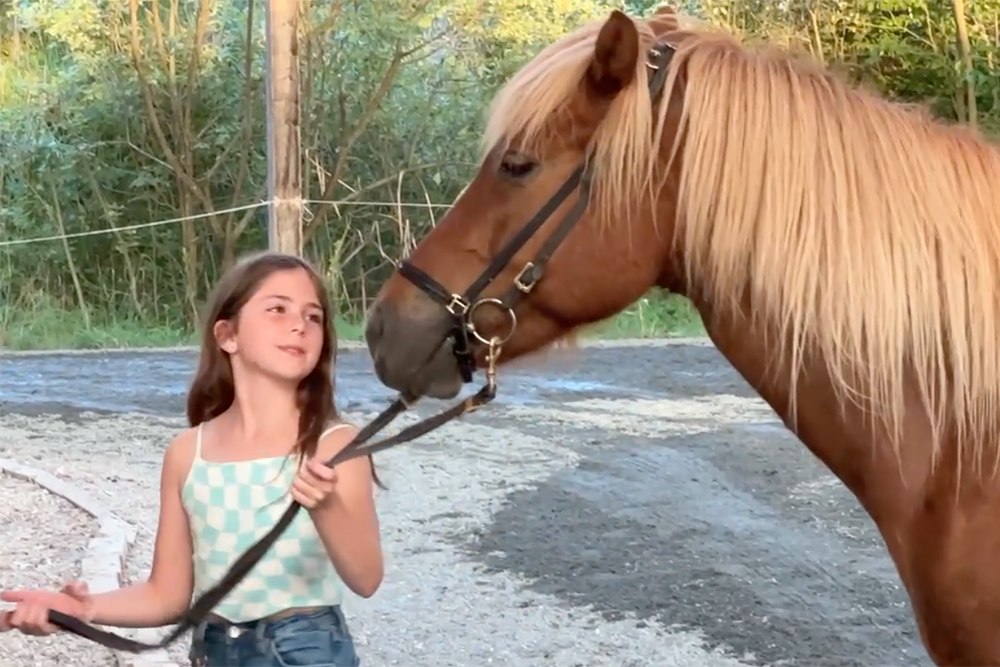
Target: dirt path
[(635, 505), (31, 560)]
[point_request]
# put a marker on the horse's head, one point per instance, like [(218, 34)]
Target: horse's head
[(568, 220)]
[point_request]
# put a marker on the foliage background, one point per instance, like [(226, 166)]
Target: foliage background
[(122, 112)]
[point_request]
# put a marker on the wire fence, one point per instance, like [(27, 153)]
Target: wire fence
[(226, 211)]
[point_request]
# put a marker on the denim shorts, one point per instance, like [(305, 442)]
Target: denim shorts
[(310, 638)]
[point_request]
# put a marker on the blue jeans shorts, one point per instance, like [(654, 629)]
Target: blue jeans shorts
[(310, 638)]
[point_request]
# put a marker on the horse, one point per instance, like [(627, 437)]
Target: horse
[(842, 250)]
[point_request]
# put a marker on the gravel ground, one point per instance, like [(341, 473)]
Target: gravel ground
[(434, 609), (633, 505), (30, 558)]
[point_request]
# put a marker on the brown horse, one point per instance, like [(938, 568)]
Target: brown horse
[(843, 251)]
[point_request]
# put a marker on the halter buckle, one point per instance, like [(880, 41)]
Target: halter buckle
[(653, 57), (525, 280), (458, 305)]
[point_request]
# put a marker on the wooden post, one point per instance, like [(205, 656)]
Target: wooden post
[(284, 186)]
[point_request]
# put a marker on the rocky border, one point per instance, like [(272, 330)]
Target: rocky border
[(103, 565)]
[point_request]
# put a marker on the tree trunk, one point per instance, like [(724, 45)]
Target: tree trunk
[(965, 53), (189, 250)]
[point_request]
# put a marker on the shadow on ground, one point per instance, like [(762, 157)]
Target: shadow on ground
[(740, 534)]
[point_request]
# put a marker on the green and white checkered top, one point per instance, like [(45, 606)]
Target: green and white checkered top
[(232, 505)]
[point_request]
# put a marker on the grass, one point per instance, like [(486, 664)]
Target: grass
[(51, 329), (653, 316)]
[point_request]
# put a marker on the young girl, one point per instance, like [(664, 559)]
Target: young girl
[(263, 421)]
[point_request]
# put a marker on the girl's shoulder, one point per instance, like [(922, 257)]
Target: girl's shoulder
[(335, 437), (179, 455)]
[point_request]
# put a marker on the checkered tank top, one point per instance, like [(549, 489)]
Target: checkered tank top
[(232, 505)]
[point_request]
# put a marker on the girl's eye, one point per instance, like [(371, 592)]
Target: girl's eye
[(315, 317)]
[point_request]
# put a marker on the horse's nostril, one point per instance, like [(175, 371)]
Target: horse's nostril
[(375, 327), (378, 361)]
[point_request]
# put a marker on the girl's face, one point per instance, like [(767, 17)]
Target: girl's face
[(280, 330)]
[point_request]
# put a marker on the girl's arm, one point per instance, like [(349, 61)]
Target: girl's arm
[(166, 594), (347, 522)]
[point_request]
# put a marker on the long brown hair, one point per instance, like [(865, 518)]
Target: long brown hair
[(213, 390)]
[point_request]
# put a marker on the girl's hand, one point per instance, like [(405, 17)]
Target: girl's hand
[(32, 611), (314, 484)]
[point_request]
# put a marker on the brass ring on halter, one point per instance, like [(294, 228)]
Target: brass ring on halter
[(495, 340)]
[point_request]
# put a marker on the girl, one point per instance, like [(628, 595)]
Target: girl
[(263, 420)]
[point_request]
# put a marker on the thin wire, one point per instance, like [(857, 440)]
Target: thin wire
[(355, 202), (127, 228), (199, 216)]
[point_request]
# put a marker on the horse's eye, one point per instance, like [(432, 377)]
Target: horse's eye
[(516, 166)]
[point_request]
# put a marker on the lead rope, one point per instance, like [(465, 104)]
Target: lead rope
[(199, 611)]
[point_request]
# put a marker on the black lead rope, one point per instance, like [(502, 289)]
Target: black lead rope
[(199, 611)]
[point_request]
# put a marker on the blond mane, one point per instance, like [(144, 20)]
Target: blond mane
[(863, 230)]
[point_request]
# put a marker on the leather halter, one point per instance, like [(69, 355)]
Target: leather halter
[(462, 307)]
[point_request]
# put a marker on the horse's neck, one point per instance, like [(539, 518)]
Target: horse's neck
[(842, 438)]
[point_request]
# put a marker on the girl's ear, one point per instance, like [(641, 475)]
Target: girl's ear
[(225, 336)]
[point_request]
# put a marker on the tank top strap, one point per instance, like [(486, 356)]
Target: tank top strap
[(333, 428), (197, 442)]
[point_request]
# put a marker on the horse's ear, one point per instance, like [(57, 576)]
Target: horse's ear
[(665, 10), (664, 19), (615, 55)]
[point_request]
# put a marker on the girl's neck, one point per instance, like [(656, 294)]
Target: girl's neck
[(264, 410)]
